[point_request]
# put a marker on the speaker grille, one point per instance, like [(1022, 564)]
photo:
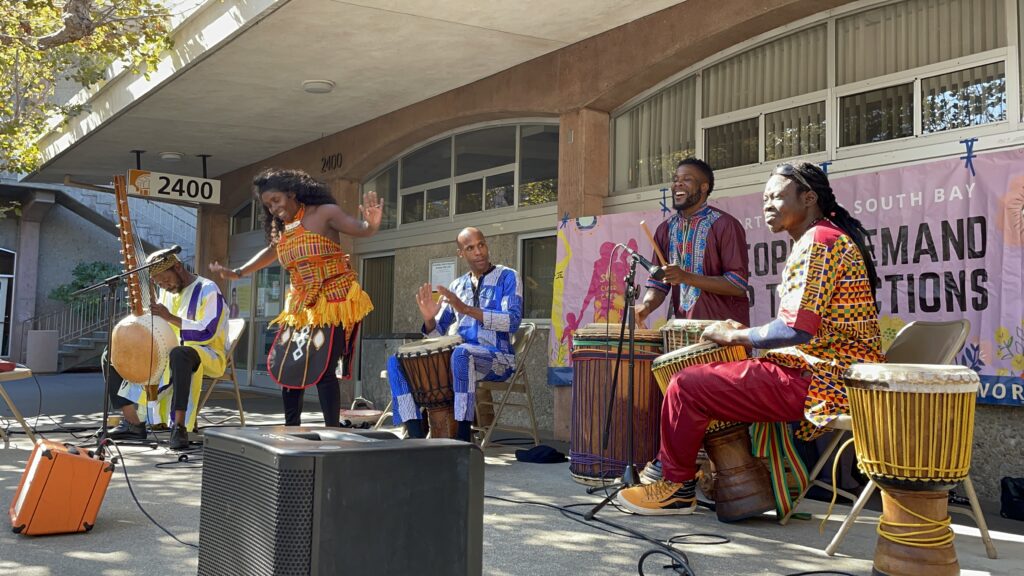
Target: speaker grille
[(254, 519)]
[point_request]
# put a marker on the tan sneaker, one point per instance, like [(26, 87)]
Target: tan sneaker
[(660, 498)]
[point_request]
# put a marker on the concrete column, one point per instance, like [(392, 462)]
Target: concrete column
[(34, 208), (583, 165), (346, 192)]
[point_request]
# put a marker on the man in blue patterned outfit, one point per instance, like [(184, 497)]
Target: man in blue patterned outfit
[(485, 307)]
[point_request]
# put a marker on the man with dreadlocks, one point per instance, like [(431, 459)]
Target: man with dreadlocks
[(194, 307), (827, 321), (325, 305)]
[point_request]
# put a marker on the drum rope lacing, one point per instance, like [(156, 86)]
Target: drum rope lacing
[(928, 526), (917, 538)]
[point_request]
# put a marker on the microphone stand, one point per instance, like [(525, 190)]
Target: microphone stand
[(629, 473), (111, 285)]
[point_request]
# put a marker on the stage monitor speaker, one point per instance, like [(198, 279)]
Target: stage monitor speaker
[(281, 500)]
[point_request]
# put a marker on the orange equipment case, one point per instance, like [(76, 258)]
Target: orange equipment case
[(61, 490)]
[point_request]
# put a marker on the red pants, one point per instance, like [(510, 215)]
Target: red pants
[(752, 390)]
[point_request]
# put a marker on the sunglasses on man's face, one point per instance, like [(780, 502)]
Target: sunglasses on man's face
[(790, 171)]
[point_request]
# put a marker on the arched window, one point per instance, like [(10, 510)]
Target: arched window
[(489, 168)]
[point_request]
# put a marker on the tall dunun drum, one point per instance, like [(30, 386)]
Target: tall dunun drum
[(913, 426), (427, 366), (742, 485), (594, 355), (679, 332)]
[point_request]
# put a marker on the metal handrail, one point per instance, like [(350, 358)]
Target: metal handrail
[(79, 318)]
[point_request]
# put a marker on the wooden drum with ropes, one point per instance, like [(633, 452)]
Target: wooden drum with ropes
[(740, 485), (913, 425), (594, 360)]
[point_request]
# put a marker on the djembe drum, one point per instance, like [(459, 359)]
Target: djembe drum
[(742, 485), (594, 356), (679, 332), (427, 367), (913, 425)]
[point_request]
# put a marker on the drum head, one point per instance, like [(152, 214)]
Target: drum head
[(687, 325), (428, 346), (922, 378), (686, 351)]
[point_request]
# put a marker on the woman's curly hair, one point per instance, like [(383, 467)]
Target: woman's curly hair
[(308, 191)]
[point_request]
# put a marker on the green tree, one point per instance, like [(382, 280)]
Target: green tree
[(46, 42), (84, 274)]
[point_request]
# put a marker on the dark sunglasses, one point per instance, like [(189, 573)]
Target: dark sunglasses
[(790, 171)]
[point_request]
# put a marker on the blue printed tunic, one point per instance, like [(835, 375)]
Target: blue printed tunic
[(486, 351)]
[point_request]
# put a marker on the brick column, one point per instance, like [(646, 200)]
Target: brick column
[(212, 232), (583, 166)]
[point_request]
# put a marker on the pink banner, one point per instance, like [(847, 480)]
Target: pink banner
[(948, 244)]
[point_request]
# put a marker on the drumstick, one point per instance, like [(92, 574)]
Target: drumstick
[(657, 250)]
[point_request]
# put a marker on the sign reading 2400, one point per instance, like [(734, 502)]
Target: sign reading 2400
[(173, 187)]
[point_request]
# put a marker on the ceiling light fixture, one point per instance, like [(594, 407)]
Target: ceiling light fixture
[(171, 156), (318, 86)]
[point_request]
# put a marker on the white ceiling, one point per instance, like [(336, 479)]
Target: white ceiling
[(244, 101)]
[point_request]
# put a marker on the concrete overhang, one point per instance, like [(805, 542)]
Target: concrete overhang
[(232, 87)]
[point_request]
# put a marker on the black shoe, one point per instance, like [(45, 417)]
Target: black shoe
[(128, 431), (179, 437)]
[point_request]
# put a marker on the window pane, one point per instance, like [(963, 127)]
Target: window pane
[(731, 145), (385, 185), (794, 132), (428, 164), (790, 66), (412, 207), (538, 165), (651, 138), (438, 200), (963, 98), (242, 220), (485, 149), (538, 276), (877, 116), (905, 35), (501, 190), (469, 196)]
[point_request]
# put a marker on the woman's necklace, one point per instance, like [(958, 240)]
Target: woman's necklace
[(294, 222)]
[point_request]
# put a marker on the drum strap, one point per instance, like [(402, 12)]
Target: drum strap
[(773, 440)]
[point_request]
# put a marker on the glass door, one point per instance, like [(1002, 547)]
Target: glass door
[(269, 291)]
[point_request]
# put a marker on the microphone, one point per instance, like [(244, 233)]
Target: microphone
[(656, 272)]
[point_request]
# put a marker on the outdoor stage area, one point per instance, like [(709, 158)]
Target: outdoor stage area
[(524, 533)]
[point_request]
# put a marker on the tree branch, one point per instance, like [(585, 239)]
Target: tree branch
[(79, 22)]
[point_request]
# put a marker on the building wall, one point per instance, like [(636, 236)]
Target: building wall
[(9, 234), (66, 240)]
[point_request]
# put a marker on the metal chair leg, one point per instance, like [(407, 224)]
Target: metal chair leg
[(238, 398), (818, 466), (979, 519), (865, 495)]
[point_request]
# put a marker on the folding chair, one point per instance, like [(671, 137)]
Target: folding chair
[(235, 328), (924, 343), (518, 383)]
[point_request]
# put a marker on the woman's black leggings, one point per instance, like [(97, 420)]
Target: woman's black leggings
[(330, 401)]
